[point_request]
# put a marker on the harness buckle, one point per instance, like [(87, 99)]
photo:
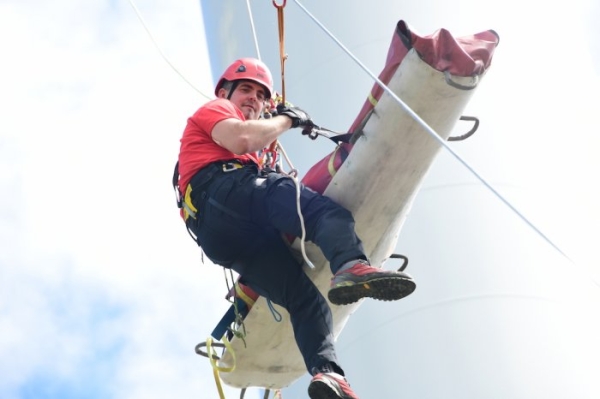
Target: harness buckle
[(231, 166)]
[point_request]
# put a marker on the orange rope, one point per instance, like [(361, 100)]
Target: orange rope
[(282, 57)]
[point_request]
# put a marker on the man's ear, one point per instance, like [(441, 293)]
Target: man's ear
[(222, 93)]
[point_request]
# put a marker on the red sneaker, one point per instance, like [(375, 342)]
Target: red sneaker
[(330, 386), (363, 280)]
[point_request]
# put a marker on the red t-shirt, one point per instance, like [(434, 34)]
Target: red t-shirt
[(198, 149)]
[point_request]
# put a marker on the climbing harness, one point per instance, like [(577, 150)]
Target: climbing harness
[(186, 208)]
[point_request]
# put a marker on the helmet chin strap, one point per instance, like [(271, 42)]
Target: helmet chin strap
[(232, 89)]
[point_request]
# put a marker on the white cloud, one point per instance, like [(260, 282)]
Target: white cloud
[(103, 293)]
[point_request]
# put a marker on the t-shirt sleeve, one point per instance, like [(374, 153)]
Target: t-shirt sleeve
[(213, 113)]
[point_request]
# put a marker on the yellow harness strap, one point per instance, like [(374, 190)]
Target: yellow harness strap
[(189, 210), (213, 361), (243, 296)]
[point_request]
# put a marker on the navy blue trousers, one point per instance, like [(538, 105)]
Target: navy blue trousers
[(240, 221)]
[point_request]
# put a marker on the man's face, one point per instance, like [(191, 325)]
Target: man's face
[(250, 98)]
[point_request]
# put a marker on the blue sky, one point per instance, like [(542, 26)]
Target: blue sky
[(102, 292)]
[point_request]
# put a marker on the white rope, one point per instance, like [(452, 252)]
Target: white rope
[(432, 132), (253, 29), (160, 51), (293, 174)]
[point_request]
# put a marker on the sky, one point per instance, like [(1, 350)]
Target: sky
[(102, 292)]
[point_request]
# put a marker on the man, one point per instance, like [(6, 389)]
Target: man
[(238, 215)]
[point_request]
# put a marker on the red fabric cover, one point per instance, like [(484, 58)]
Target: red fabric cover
[(463, 56), (197, 146), (319, 176)]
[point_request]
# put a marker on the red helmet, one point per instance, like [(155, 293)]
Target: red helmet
[(249, 69)]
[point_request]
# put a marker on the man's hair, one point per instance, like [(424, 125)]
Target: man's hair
[(231, 85), (227, 85)]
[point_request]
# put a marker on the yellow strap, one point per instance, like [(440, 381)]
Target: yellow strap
[(331, 163), (243, 296), (218, 382), (372, 100), (213, 361), (188, 208)]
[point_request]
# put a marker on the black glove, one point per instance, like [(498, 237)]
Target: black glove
[(299, 117)]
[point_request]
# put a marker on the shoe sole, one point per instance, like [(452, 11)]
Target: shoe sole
[(389, 288), (322, 390)]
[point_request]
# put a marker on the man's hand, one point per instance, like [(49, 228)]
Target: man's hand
[(299, 117)]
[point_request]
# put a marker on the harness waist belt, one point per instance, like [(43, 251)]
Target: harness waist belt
[(202, 178)]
